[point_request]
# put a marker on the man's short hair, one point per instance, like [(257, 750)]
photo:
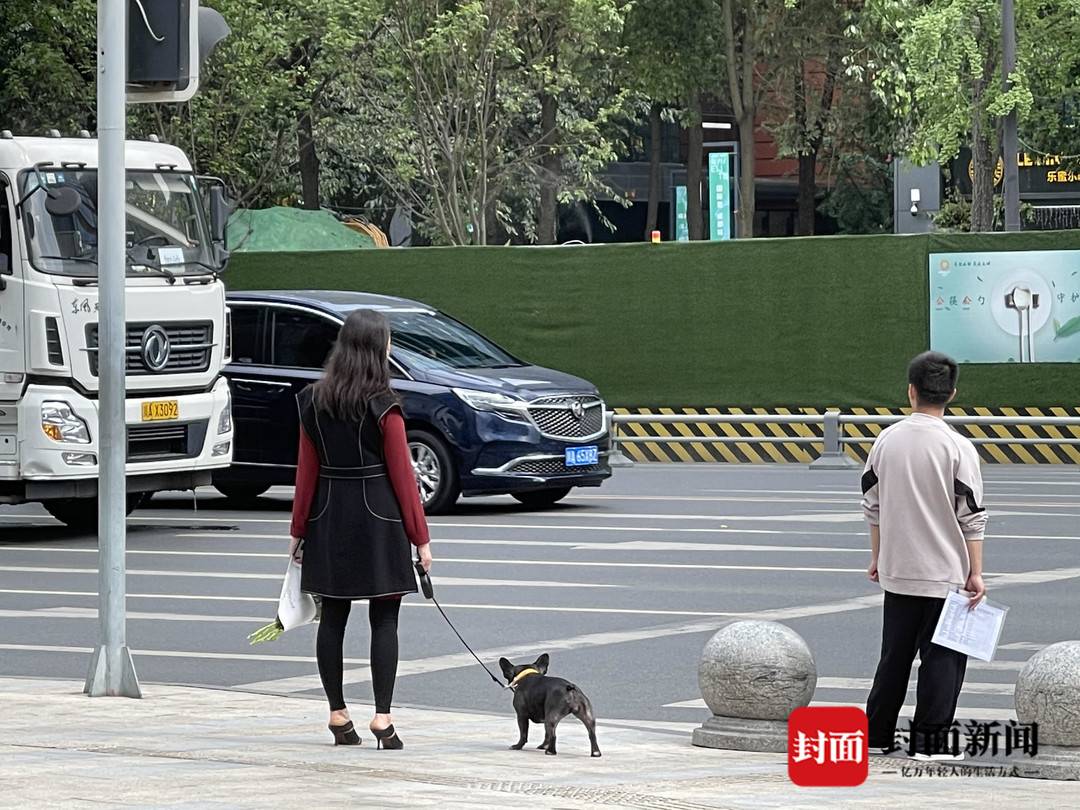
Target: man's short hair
[(934, 376)]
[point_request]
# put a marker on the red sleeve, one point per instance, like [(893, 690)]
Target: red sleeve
[(307, 478), (402, 478)]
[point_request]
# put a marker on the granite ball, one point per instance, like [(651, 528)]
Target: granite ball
[(756, 670), (1048, 693)]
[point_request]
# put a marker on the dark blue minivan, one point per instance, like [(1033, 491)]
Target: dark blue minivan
[(480, 421)]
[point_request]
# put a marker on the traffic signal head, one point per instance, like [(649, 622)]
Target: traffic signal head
[(167, 42)]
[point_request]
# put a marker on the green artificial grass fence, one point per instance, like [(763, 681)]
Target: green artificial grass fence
[(811, 322)]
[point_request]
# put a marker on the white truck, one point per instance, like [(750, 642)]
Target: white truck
[(178, 409)]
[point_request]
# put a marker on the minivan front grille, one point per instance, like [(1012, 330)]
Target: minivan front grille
[(190, 345), (52, 342), (568, 417), (165, 441), (550, 466)]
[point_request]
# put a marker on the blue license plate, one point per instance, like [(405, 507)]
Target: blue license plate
[(582, 456)]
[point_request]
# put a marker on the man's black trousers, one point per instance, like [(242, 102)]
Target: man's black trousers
[(907, 627)]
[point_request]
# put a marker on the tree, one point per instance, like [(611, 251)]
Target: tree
[(571, 50), (937, 64), (749, 26), (807, 93), (48, 65), (674, 49)]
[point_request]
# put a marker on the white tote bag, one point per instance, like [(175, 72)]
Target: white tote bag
[(295, 608)]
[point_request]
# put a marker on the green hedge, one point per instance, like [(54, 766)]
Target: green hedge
[(825, 321)]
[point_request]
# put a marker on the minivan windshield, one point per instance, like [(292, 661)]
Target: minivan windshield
[(431, 341), (166, 232)]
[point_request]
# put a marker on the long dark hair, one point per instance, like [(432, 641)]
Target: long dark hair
[(357, 368)]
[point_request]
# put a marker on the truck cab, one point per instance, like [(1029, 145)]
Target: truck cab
[(178, 409)]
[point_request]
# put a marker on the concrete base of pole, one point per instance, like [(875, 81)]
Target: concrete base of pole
[(738, 734), (97, 680), (834, 461), (617, 459)]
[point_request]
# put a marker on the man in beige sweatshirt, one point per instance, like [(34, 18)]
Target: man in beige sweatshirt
[(922, 496)]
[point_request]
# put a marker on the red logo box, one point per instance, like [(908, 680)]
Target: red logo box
[(827, 746)]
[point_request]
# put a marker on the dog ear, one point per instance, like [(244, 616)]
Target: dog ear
[(507, 668), (542, 664)]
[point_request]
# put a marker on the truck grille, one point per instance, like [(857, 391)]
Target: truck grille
[(550, 466), (190, 345), (555, 416), (165, 441)]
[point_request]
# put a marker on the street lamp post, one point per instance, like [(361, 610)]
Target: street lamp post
[(1010, 145), (111, 669)]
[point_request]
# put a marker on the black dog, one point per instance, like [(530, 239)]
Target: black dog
[(546, 700)]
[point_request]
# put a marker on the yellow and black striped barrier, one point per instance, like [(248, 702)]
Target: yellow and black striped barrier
[(760, 441)]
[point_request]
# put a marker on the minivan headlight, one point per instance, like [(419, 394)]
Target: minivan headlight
[(60, 424), (501, 404)]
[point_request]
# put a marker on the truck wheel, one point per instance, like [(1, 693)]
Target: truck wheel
[(436, 476), (82, 513), (240, 492), (542, 498)]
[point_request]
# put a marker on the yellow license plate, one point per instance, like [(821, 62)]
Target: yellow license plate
[(160, 411)]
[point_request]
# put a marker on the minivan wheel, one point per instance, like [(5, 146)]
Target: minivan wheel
[(435, 474), (240, 492), (81, 514), (541, 498)]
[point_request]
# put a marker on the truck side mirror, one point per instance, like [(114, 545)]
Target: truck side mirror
[(219, 220)]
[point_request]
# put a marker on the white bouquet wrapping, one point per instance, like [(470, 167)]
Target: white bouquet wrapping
[(295, 608)]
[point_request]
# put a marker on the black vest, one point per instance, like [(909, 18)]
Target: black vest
[(356, 547)]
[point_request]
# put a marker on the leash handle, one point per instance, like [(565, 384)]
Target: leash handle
[(429, 593), (425, 581)]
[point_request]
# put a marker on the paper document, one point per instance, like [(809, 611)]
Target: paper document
[(972, 632)]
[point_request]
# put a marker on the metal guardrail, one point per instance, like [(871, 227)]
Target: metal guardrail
[(831, 438)]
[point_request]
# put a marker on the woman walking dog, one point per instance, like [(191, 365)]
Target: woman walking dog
[(356, 511)]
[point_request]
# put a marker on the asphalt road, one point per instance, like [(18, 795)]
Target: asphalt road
[(622, 586)]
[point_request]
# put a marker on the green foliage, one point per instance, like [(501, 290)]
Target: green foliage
[(954, 216), (47, 65), (860, 199)]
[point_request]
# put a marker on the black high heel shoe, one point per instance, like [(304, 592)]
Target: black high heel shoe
[(345, 735), (387, 738)]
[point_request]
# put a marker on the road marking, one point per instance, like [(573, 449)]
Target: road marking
[(406, 604), (92, 613), (962, 713), (603, 544), (455, 581), (864, 684), (589, 640), (630, 545), (1024, 645), (777, 498), (284, 659)]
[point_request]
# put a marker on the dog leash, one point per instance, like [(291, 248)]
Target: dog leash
[(429, 593)]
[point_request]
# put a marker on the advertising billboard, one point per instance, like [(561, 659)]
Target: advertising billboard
[(1006, 307)]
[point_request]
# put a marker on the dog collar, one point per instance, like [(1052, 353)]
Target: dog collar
[(521, 676)]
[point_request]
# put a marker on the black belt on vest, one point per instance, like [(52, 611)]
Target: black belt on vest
[(353, 473)]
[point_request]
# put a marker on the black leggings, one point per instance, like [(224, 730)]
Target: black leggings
[(383, 617)]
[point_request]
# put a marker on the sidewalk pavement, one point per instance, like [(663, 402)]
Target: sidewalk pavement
[(183, 747)]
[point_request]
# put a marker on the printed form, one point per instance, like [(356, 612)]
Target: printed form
[(972, 632)]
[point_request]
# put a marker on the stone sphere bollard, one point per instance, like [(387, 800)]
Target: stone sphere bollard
[(1048, 693), (752, 675)]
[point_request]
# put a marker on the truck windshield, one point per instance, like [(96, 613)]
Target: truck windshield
[(433, 341), (166, 231)]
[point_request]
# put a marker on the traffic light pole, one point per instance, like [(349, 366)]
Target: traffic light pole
[(1010, 146), (111, 670)]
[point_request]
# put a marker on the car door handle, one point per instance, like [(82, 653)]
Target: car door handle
[(263, 383)]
